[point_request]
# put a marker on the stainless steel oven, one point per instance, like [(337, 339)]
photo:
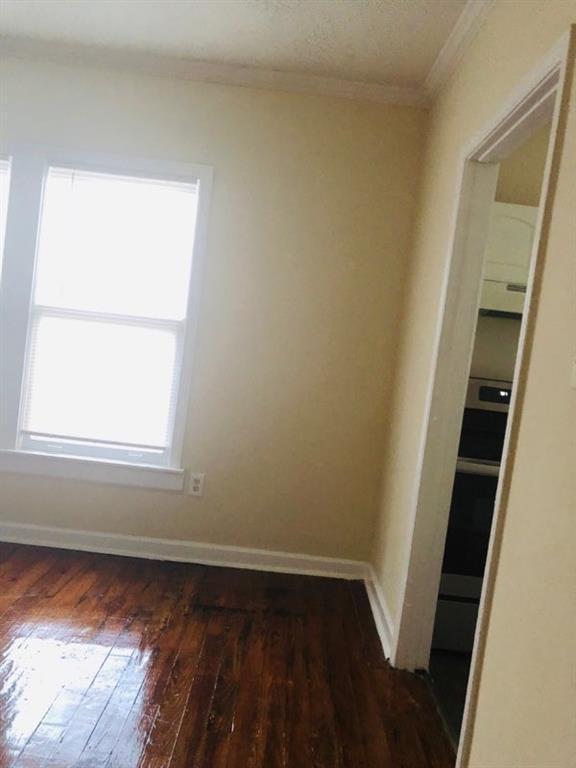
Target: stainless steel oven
[(471, 511)]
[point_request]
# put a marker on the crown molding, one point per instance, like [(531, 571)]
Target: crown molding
[(463, 32), (206, 72)]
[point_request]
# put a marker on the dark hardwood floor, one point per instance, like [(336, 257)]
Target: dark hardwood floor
[(125, 663)]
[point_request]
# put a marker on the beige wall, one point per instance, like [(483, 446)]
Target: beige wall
[(309, 232), (532, 631), (525, 719)]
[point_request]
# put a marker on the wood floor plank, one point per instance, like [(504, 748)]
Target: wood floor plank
[(276, 747), (109, 662), (166, 635), (167, 725), (76, 736), (325, 746), (247, 738), (212, 752), (190, 740), (107, 730)]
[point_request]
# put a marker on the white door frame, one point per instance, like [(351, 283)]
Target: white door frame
[(531, 104)]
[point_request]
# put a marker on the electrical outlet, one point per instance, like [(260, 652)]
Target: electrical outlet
[(196, 484)]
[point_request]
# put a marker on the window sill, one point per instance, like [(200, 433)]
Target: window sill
[(94, 470)]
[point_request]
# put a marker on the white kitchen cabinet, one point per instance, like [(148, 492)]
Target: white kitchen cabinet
[(507, 260)]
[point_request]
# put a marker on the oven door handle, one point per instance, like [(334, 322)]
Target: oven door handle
[(471, 467)]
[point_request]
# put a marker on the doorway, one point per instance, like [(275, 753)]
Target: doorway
[(506, 267)]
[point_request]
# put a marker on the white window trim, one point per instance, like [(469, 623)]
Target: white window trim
[(93, 470), (27, 173)]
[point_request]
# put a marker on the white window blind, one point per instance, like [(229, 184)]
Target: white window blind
[(4, 187), (108, 316)]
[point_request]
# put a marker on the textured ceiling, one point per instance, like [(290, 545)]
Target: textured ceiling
[(378, 41)]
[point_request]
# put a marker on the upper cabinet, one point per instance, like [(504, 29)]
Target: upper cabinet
[(507, 260)]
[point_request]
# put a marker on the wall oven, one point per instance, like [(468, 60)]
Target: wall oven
[(471, 512)]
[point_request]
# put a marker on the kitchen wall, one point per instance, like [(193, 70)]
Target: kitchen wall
[(519, 182), (525, 715), (310, 230), (495, 347), (520, 176)]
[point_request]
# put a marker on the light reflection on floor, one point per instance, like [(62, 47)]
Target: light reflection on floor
[(45, 675)]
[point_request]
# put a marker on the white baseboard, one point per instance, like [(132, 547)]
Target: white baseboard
[(380, 611), (182, 551), (209, 554)]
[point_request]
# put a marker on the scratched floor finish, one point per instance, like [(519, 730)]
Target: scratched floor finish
[(126, 663)]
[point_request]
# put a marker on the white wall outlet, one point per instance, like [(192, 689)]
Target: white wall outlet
[(196, 484)]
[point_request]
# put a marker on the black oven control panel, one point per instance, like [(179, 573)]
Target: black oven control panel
[(484, 422), (489, 395)]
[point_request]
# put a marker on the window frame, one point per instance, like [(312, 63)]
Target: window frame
[(28, 170), (4, 158)]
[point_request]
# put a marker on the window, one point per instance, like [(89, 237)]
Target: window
[(102, 372)]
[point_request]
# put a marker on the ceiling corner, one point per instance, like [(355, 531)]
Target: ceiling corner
[(463, 32)]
